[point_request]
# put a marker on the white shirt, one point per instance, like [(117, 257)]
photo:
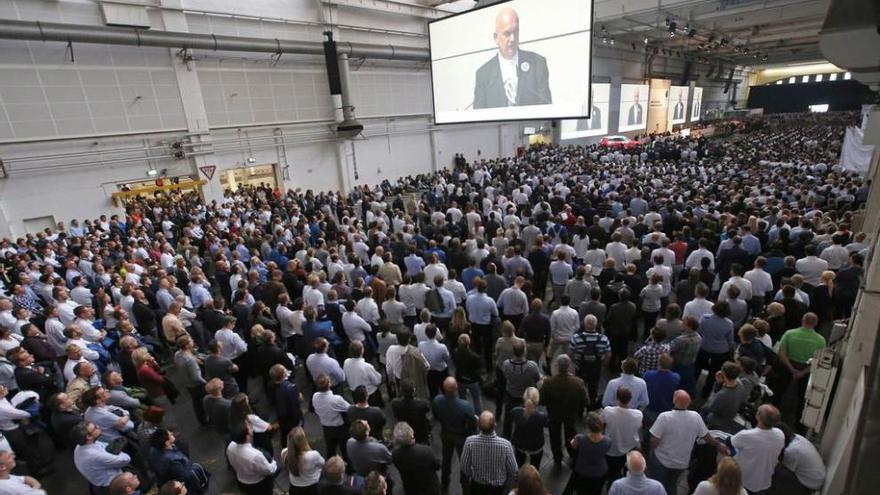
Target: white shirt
[(697, 308), (9, 414), (811, 268), (744, 286), (432, 271), (356, 328), (836, 255), (564, 322), (622, 427), (802, 458), (251, 466), (757, 452), (707, 488), (693, 260), (393, 361), (359, 372), (677, 431), (509, 74), (310, 465), (329, 408), (15, 485), (762, 282), (313, 297), (233, 344), (368, 310)]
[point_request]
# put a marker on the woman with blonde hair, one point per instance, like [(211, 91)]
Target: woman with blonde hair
[(528, 429), (303, 464), (151, 378), (458, 326), (727, 480)]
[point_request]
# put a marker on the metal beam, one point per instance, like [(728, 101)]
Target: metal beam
[(75, 33)]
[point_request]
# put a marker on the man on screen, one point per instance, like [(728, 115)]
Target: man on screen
[(696, 113), (592, 123), (513, 77), (678, 111), (635, 110)]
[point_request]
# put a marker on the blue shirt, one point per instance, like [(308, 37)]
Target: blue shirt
[(661, 386), (321, 364), (97, 465), (468, 275), (717, 334), (455, 415), (481, 308), (435, 353), (638, 387), (414, 264), (636, 484)]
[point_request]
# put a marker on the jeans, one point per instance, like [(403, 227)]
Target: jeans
[(668, 477), (556, 427), (335, 437), (474, 390)]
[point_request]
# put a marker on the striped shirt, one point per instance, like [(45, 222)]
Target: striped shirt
[(488, 460), (589, 346)]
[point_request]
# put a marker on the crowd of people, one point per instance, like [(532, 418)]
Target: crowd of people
[(650, 312)]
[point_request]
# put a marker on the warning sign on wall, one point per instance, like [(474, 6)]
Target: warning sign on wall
[(208, 171)]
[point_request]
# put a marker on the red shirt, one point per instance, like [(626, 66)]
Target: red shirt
[(680, 248)]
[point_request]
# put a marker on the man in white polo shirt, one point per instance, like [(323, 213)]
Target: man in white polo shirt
[(672, 441)]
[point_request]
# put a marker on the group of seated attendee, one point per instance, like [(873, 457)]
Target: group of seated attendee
[(647, 312)]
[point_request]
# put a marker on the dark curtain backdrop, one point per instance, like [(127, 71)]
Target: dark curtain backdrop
[(782, 98)]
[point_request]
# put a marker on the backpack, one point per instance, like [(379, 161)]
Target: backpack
[(434, 302)]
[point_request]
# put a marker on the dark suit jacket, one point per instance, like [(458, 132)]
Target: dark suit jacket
[(635, 114), (594, 122), (418, 467), (678, 111), (533, 86)]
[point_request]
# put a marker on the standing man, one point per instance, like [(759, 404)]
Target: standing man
[(796, 349), (416, 463), (437, 355), (591, 351), (672, 441), (487, 461), (519, 374), (758, 449), (565, 398), (482, 311), (330, 408), (564, 322), (456, 417)]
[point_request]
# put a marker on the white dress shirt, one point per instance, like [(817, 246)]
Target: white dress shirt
[(811, 268), (757, 452), (355, 327), (622, 426), (762, 282), (251, 466), (564, 322), (233, 344), (329, 408), (359, 372)]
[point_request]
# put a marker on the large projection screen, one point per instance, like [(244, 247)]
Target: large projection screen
[(633, 107), (696, 105), (678, 104), (514, 60), (597, 124)]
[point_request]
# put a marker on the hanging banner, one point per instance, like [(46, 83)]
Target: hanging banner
[(854, 155)]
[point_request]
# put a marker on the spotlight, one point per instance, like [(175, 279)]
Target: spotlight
[(646, 41), (604, 40), (611, 41)]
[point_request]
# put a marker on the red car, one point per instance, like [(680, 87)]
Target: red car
[(615, 142)]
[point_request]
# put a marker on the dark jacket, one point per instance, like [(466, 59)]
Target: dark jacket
[(145, 318), (173, 464), (564, 396), (533, 86), (287, 402), (418, 467)]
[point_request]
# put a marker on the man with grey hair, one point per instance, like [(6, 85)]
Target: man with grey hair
[(635, 482), (758, 449), (415, 462), (565, 398)]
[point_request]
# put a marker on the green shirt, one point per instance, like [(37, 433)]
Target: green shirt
[(801, 343)]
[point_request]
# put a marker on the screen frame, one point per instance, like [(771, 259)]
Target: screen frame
[(431, 70)]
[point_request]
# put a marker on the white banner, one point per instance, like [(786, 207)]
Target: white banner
[(597, 124), (855, 156), (678, 100)]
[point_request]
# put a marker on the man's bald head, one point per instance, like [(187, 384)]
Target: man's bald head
[(635, 462), (450, 386), (507, 32), (768, 416), (487, 422), (681, 399)]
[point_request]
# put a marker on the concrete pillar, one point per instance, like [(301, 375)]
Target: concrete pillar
[(193, 102)]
